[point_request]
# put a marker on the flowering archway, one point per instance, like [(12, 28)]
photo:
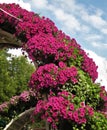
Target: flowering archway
[(64, 80)]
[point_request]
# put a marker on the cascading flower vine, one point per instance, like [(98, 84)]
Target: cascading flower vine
[(89, 66)]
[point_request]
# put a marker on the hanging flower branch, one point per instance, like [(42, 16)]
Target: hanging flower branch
[(24, 97)]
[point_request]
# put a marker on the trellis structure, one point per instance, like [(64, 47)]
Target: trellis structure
[(7, 40), (21, 121)]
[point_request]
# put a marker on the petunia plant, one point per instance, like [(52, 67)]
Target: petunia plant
[(64, 80)]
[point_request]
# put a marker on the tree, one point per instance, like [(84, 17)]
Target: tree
[(14, 75)]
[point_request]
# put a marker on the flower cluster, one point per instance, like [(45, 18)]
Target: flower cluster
[(51, 76), (13, 9), (35, 26), (68, 74), (25, 97), (44, 77), (42, 47), (89, 66), (62, 106), (3, 106), (103, 95)]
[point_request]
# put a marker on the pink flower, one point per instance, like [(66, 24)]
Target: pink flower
[(70, 115), (82, 104), (71, 107), (62, 64), (3, 106), (90, 111), (25, 96), (82, 120), (54, 114), (75, 116), (49, 119), (81, 112)]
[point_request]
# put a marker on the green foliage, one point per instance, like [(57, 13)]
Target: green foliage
[(98, 122), (14, 75), (85, 90)]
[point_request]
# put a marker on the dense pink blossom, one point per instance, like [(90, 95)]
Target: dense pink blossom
[(42, 46), (51, 76), (60, 106), (24, 97), (44, 77), (89, 66)]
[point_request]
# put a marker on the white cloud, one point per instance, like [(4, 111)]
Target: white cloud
[(99, 45), (95, 21), (104, 30), (40, 4), (101, 62), (93, 37), (63, 14), (20, 2), (96, 40), (68, 20), (71, 21)]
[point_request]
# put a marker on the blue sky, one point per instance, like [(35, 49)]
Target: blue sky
[(102, 4), (84, 20)]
